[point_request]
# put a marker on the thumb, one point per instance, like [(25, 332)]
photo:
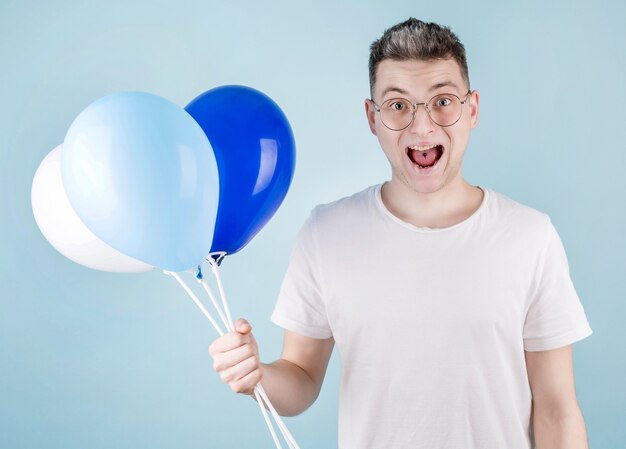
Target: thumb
[(242, 326)]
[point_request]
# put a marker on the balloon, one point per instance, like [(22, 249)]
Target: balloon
[(63, 229), (255, 152), (142, 176)]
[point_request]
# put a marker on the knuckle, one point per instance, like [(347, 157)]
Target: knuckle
[(238, 338), (237, 387), (248, 351), (218, 363)]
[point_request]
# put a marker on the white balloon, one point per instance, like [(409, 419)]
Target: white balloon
[(64, 229)]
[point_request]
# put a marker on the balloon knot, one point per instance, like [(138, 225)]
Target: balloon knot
[(216, 258)]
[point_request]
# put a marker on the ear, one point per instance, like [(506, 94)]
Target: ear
[(370, 112), (473, 104)]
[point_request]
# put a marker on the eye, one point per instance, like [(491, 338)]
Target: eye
[(442, 102), (397, 105)]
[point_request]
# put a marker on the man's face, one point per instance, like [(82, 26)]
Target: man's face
[(418, 81)]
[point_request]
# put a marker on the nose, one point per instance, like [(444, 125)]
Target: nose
[(421, 124)]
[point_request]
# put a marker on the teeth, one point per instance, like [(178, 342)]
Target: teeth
[(422, 148)]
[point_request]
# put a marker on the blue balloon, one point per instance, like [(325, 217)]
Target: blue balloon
[(255, 152), (142, 176)]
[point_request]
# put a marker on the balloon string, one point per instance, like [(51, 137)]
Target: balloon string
[(220, 332), (259, 393), (215, 304), (196, 301), (281, 425), (216, 272), (286, 434), (267, 419), (264, 398)]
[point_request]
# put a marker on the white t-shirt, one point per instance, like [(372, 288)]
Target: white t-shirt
[(431, 324)]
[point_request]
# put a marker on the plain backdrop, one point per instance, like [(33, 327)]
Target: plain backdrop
[(98, 360)]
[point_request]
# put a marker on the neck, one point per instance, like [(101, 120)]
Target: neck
[(445, 207)]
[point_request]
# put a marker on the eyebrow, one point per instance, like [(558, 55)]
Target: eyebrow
[(443, 84), (433, 88), (394, 89)]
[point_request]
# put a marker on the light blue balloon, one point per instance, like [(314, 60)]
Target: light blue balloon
[(141, 174)]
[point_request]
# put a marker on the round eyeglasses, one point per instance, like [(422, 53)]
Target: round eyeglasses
[(443, 109)]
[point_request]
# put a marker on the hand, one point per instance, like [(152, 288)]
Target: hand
[(236, 358)]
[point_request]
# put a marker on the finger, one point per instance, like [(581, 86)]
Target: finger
[(247, 383), (230, 359), (228, 342), (239, 371), (242, 326)]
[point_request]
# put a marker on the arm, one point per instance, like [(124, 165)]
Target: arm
[(292, 383), (557, 419)]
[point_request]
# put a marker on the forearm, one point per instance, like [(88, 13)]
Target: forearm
[(289, 387), (560, 431)]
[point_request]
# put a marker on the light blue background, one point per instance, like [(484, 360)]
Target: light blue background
[(90, 359)]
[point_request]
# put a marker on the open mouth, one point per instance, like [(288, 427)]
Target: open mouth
[(425, 156)]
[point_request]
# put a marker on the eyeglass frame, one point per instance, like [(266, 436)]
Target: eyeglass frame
[(415, 105)]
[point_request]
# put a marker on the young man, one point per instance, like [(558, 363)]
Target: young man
[(451, 305)]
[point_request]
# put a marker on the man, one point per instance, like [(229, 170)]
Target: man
[(451, 305)]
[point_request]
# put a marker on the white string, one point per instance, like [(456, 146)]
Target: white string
[(286, 434), (260, 400), (267, 419), (215, 304), (216, 272), (196, 300), (262, 397), (281, 425)]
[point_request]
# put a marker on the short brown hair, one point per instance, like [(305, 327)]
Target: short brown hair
[(414, 39)]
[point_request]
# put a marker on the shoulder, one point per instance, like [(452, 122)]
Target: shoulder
[(346, 209), (336, 222), (513, 214)]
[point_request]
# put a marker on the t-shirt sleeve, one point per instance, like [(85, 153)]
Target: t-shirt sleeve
[(555, 317), (300, 306)]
